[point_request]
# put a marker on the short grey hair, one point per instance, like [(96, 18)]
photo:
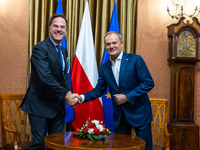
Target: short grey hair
[(113, 32)]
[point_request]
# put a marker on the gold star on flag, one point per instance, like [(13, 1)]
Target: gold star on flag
[(108, 95)]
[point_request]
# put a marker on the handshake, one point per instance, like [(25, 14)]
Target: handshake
[(73, 99)]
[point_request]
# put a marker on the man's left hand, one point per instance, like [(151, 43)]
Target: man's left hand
[(120, 99)]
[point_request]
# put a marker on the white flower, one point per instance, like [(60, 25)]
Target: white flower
[(100, 127), (96, 122), (90, 131), (108, 130)]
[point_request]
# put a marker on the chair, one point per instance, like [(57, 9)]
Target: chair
[(15, 123), (160, 133), (159, 124)]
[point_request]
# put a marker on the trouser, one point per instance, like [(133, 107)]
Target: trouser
[(143, 132), (39, 125)]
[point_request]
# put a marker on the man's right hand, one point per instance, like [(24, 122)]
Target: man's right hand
[(72, 99)]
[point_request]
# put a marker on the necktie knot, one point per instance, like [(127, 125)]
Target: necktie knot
[(58, 47)]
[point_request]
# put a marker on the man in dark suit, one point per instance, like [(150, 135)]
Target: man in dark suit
[(49, 85), (129, 81)]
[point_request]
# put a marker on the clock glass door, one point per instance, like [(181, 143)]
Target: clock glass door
[(186, 46)]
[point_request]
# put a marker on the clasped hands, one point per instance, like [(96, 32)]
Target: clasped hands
[(73, 99)]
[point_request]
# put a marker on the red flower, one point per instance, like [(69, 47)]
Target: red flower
[(96, 131), (85, 130), (101, 123), (104, 131), (91, 125)]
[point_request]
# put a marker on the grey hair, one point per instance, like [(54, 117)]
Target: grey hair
[(113, 32)]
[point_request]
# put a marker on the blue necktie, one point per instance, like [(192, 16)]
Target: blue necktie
[(61, 57)]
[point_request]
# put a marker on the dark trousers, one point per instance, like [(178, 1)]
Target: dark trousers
[(39, 125), (143, 132)]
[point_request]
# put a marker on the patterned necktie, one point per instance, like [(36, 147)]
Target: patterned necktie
[(61, 57)]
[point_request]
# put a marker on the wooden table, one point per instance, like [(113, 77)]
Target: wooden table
[(62, 141)]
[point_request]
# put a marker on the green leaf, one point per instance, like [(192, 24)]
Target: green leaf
[(103, 135), (82, 134), (94, 137)]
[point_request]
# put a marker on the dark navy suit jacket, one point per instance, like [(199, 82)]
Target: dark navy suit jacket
[(135, 82), (48, 85)]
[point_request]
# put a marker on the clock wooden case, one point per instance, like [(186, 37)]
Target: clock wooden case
[(184, 53)]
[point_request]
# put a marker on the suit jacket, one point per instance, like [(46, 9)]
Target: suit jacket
[(135, 82), (48, 84)]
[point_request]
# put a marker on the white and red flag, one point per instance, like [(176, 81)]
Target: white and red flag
[(84, 74)]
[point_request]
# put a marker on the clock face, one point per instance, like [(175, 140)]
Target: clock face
[(186, 46)]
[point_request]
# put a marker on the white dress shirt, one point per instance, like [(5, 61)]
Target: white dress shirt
[(116, 67)]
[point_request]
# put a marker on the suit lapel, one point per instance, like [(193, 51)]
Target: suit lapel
[(124, 63), (54, 53)]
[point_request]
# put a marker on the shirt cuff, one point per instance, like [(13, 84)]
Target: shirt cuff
[(83, 98)]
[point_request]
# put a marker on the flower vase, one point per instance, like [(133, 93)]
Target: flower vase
[(99, 138)]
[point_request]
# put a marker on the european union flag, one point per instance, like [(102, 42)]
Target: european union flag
[(69, 110), (106, 98)]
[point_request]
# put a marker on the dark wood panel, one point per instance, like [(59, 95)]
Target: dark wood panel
[(185, 91), (185, 136)]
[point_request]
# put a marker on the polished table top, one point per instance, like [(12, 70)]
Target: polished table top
[(66, 140)]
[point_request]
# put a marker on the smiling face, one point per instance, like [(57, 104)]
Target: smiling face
[(113, 45), (57, 29)]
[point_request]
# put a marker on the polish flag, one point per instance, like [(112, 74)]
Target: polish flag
[(84, 74)]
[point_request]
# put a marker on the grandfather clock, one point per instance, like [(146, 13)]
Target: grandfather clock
[(184, 53)]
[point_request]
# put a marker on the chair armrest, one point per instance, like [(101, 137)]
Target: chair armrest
[(15, 136), (166, 131), (167, 137)]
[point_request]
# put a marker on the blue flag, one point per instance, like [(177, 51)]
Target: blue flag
[(68, 110), (106, 98)]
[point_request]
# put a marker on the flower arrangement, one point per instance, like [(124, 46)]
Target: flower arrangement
[(94, 130)]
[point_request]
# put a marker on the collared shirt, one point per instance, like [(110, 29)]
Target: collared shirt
[(55, 44), (115, 65)]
